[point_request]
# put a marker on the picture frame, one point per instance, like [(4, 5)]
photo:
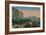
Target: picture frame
[(26, 4)]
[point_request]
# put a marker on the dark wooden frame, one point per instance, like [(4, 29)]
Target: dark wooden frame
[(21, 2)]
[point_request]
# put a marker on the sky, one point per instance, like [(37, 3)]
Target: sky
[(27, 8), (29, 11)]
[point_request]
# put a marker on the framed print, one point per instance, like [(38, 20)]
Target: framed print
[(24, 17)]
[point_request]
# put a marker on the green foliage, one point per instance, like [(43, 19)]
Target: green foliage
[(18, 19)]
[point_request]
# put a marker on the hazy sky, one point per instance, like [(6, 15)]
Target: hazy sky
[(27, 8), (29, 11)]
